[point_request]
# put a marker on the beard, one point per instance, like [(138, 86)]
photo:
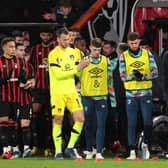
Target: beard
[(12, 55), (46, 42)]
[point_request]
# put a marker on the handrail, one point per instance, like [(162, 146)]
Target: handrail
[(132, 15), (82, 21), (34, 24)]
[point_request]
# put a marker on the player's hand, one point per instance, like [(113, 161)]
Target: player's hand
[(21, 85), (10, 75), (33, 83), (4, 80), (137, 74), (82, 64), (23, 76), (30, 84), (47, 16)]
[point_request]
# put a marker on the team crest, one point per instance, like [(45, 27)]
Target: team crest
[(110, 22), (59, 110), (71, 57)]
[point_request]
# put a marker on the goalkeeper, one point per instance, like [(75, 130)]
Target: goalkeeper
[(63, 65)]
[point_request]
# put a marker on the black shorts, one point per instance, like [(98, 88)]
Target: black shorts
[(24, 112), (8, 110), (41, 96)]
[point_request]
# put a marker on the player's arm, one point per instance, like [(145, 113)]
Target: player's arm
[(57, 71), (32, 56), (153, 69), (30, 73), (123, 74)]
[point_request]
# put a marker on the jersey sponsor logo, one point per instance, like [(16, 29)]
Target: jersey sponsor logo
[(59, 110), (13, 80), (45, 60), (67, 67), (43, 66), (96, 71), (137, 64)]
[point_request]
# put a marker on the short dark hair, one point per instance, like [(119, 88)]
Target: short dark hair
[(28, 49), (19, 44), (65, 3), (17, 33), (122, 47), (96, 42), (112, 43), (46, 29), (74, 30), (7, 40), (145, 42), (62, 30), (132, 36), (78, 39)]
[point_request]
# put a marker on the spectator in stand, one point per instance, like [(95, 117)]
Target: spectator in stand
[(65, 13), (48, 15)]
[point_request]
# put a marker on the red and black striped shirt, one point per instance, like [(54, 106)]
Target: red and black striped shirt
[(25, 95), (10, 90), (39, 59)]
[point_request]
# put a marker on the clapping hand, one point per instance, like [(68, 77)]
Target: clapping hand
[(82, 64), (137, 74)]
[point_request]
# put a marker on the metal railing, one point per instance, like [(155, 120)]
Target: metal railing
[(34, 24)]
